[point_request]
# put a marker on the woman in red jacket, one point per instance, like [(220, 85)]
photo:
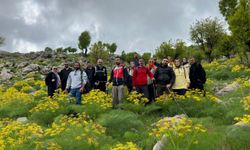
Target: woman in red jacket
[(140, 78)]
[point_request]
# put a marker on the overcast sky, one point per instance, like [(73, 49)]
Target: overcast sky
[(135, 25)]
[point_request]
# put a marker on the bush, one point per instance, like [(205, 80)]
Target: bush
[(118, 122)]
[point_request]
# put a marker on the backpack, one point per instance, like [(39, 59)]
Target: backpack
[(87, 85)]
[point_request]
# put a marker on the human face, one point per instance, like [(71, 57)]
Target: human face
[(77, 66), (100, 62), (165, 61), (132, 64), (66, 65), (54, 69), (191, 61), (177, 63), (117, 61), (141, 62)]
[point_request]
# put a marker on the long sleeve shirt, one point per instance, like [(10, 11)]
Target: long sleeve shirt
[(76, 79)]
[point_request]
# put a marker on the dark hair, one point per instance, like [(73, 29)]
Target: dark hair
[(117, 57)]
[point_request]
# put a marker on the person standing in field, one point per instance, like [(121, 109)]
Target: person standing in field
[(53, 81), (76, 83), (152, 68), (182, 80), (130, 74), (118, 78), (90, 71), (197, 75), (140, 78), (100, 76), (164, 78), (64, 73)]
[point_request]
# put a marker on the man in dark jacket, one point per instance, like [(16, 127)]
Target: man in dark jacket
[(90, 71), (52, 80), (197, 75), (64, 73), (164, 78), (100, 76), (136, 59)]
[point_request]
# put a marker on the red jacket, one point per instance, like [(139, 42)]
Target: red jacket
[(140, 75)]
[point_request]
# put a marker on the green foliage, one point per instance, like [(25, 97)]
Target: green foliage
[(48, 50), (84, 41), (227, 7), (226, 46), (146, 56), (206, 33), (128, 57), (118, 122), (174, 50), (111, 48), (98, 50)]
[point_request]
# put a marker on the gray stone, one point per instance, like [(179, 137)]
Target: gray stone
[(228, 88), (31, 68), (5, 74), (23, 119)]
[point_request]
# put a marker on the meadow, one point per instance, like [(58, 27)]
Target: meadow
[(191, 122)]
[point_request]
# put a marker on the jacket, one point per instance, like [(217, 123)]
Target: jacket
[(164, 75), (182, 78), (52, 80), (100, 74), (197, 74), (118, 76), (140, 76)]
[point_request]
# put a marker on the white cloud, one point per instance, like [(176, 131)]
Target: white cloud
[(24, 46), (31, 12)]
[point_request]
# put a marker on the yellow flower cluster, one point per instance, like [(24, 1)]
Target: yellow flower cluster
[(177, 130), (98, 97), (238, 68), (246, 102), (174, 126), (244, 82), (194, 95), (127, 146), (47, 104), (137, 98), (12, 95), (51, 104), (14, 133), (242, 120), (215, 65)]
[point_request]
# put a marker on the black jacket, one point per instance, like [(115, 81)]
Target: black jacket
[(64, 74), (197, 74), (90, 73), (164, 75), (51, 80), (100, 74)]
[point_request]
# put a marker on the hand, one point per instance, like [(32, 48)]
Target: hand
[(168, 86), (96, 83), (134, 88), (188, 84), (107, 84), (53, 80), (82, 89), (153, 79), (66, 91)]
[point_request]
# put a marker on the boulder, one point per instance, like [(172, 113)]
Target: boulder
[(5, 74), (31, 68), (22, 65), (228, 88), (23, 119)]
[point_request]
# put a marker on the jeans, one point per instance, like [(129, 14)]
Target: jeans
[(151, 93), (180, 91), (143, 89), (76, 93)]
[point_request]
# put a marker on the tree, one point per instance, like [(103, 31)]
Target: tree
[(146, 56), (237, 14), (227, 7), (98, 50), (174, 50), (112, 48), (206, 33), (226, 46), (72, 50), (84, 41), (60, 50), (1, 40), (48, 50)]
